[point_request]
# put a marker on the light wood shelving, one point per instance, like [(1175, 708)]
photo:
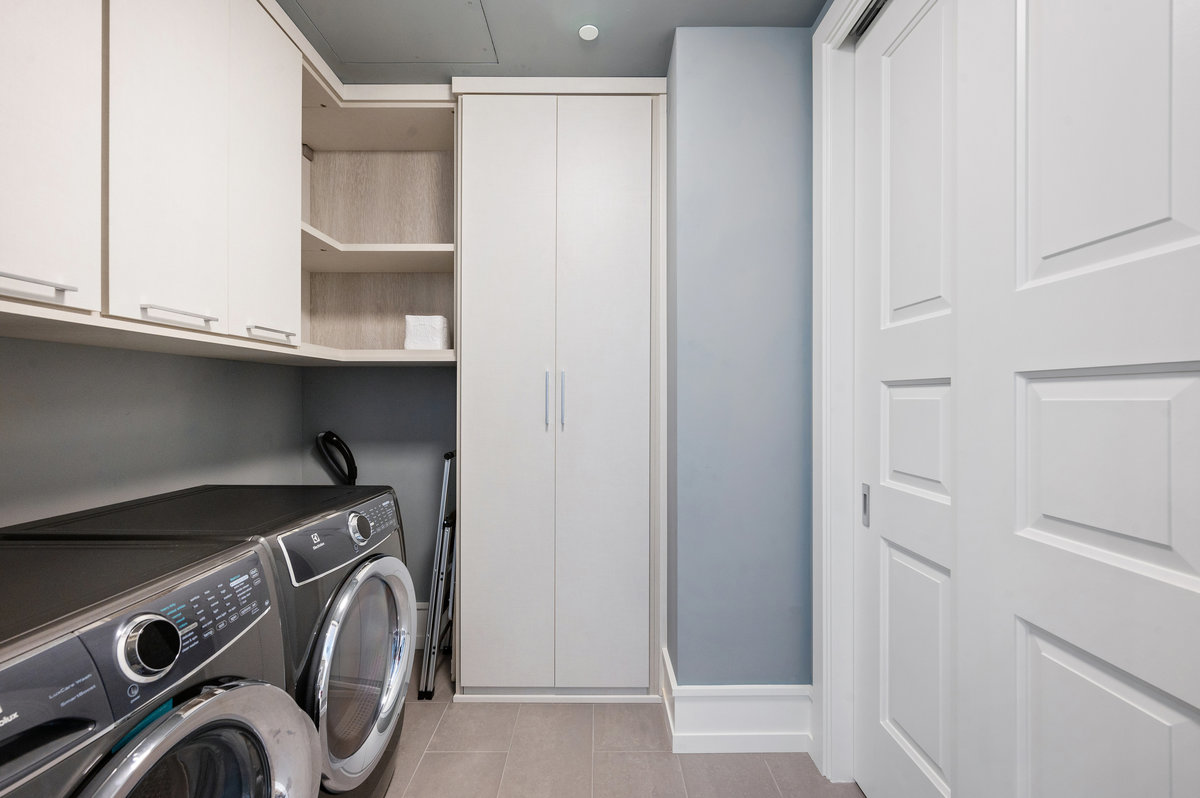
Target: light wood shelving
[(323, 253), (377, 225)]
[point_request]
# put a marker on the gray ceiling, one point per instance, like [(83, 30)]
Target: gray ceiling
[(430, 41)]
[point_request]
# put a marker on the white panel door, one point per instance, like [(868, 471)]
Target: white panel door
[(1079, 399), (507, 391), (168, 162), (50, 172), (602, 551), (906, 393), (264, 183)]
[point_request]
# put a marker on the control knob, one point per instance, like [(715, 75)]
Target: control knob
[(150, 647), (360, 528)]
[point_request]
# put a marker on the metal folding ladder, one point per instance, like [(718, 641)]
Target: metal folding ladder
[(441, 591)]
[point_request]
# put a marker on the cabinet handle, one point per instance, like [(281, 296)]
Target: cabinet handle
[(39, 281), (562, 399), (250, 328), (163, 309), (547, 397)]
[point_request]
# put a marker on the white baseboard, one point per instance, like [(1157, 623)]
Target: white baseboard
[(554, 698), (736, 719)]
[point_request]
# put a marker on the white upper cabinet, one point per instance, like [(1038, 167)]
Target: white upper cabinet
[(264, 181), (168, 162), (50, 174)]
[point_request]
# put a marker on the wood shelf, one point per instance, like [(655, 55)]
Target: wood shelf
[(37, 322), (323, 253)]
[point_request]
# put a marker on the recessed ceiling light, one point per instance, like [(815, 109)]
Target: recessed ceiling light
[(589, 32)]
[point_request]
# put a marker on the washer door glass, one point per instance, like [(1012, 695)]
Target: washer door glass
[(360, 667), (218, 762), (239, 740)]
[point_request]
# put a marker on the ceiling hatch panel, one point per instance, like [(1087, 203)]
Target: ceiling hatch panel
[(396, 31)]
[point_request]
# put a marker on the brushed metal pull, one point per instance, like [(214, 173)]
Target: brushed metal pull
[(547, 397), (250, 328), (562, 399), (164, 309), (40, 281)]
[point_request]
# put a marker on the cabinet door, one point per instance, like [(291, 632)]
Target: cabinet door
[(168, 162), (602, 551), (264, 178), (506, 363), (50, 173)]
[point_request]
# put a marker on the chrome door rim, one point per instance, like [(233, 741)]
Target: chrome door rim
[(342, 774), (287, 736)]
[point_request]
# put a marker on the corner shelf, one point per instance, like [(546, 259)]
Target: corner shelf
[(323, 253)]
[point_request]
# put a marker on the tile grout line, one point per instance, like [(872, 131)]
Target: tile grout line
[(774, 780), (593, 793), (508, 750), (424, 751)]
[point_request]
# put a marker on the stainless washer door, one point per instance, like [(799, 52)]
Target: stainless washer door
[(366, 657), (241, 740)]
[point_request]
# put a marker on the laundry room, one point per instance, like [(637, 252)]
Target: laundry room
[(566, 399)]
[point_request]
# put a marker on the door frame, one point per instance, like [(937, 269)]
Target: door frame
[(835, 496)]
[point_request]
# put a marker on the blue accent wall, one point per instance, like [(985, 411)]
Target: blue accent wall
[(739, 278)]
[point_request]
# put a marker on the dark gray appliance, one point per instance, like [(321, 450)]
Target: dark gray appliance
[(141, 669), (346, 599)]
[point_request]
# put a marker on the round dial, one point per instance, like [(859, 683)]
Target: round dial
[(360, 528), (151, 646)]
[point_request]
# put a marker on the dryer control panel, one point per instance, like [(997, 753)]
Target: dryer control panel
[(147, 649), (323, 546)]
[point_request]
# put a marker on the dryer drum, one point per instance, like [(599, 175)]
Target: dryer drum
[(365, 660)]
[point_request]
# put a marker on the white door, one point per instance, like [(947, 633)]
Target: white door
[(50, 175), (602, 464), (507, 393), (168, 160), (1079, 399), (906, 391), (1064, 617), (264, 180)]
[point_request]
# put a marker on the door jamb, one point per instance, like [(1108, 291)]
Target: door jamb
[(834, 495)]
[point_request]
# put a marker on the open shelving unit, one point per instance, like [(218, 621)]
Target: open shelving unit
[(376, 224)]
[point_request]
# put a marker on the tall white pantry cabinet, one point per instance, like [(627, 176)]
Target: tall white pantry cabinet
[(554, 358)]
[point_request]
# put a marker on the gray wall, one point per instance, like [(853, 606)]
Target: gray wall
[(398, 422), (84, 426), (739, 285)]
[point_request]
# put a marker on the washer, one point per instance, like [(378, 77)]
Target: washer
[(346, 600), (130, 669)]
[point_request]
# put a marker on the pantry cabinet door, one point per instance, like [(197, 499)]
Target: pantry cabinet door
[(50, 172), (602, 551), (506, 394), (264, 179), (168, 162)]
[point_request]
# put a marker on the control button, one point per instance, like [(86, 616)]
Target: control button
[(151, 646), (360, 528), (221, 625), (233, 617)]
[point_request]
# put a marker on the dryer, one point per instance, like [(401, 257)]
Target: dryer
[(138, 669), (346, 600)]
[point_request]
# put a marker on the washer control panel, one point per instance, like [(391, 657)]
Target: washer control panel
[(323, 546), (147, 649)]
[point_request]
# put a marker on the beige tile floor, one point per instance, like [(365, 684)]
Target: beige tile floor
[(450, 750)]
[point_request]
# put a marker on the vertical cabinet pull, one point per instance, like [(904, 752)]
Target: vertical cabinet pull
[(547, 397), (562, 399)]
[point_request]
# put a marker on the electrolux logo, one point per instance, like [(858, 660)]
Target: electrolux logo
[(7, 719)]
